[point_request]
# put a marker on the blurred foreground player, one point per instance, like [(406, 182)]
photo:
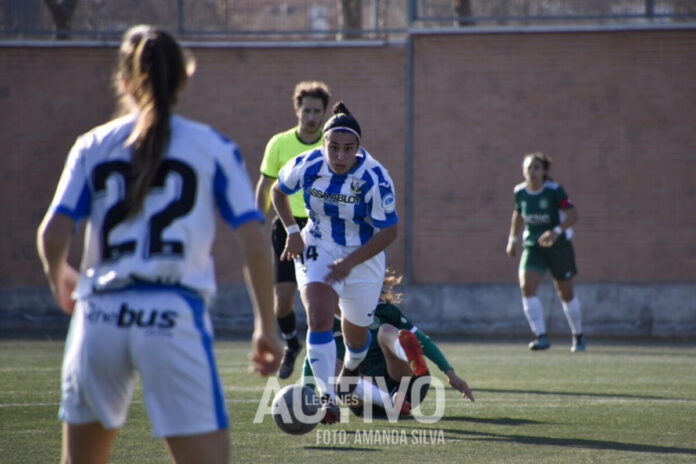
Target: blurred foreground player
[(149, 184)]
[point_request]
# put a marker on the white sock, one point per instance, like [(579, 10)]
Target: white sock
[(354, 356), (399, 350), (572, 312), (377, 396), (535, 314), (321, 351)]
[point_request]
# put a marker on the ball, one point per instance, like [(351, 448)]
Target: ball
[(296, 409)]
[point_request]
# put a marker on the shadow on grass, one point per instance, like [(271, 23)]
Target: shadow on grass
[(592, 395), (339, 448), (572, 442), (492, 421)]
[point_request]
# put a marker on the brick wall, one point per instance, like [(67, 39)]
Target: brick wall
[(614, 109)]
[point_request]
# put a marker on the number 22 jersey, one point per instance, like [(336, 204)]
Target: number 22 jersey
[(170, 240)]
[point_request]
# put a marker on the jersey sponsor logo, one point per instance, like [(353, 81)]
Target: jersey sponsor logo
[(334, 197), (388, 203), (537, 219), (95, 314), (147, 318)]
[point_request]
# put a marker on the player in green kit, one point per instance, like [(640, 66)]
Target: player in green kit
[(397, 350), (310, 100), (547, 213)]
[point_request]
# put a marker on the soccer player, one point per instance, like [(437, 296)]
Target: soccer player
[(547, 213), (149, 183), (396, 352), (339, 254), (310, 99)]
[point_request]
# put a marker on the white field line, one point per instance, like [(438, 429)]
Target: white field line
[(451, 403)]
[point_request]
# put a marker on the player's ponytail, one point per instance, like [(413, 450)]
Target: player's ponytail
[(340, 108), (154, 69)]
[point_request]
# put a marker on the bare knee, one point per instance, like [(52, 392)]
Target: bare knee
[(564, 288), (386, 334)]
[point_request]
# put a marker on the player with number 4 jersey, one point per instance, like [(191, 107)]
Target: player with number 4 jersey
[(339, 254)]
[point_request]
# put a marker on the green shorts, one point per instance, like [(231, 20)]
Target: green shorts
[(558, 259)]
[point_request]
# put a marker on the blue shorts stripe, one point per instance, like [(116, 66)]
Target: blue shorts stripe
[(198, 308)]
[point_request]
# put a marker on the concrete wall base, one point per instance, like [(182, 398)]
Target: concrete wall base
[(609, 310)]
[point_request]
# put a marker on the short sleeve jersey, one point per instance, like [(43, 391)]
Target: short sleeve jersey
[(170, 239), (346, 209), (541, 210), (280, 149)]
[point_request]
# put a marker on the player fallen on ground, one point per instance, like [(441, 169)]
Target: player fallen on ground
[(397, 351)]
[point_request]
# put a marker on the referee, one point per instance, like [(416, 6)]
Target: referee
[(310, 99)]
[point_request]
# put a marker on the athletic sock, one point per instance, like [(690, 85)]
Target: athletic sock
[(573, 315), (535, 314), (376, 396), (354, 356), (321, 351), (288, 329)]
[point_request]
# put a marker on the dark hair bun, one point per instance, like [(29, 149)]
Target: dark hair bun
[(341, 108)]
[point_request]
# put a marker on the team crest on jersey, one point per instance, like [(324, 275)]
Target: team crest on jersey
[(388, 203), (357, 185), (543, 203)]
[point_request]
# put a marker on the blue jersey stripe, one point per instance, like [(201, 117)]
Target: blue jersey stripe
[(366, 230), (309, 175), (338, 225)]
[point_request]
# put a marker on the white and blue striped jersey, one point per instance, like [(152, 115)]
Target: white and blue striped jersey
[(347, 209), (171, 238)]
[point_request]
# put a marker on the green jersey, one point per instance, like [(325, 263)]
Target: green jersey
[(283, 147), (387, 313), (541, 210)]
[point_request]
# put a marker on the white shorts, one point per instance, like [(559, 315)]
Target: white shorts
[(359, 293), (165, 335)]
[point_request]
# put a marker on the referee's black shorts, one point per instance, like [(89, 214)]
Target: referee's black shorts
[(284, 270)]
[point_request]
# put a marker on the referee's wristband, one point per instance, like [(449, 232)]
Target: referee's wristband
[(293, 229), (558, 230)]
